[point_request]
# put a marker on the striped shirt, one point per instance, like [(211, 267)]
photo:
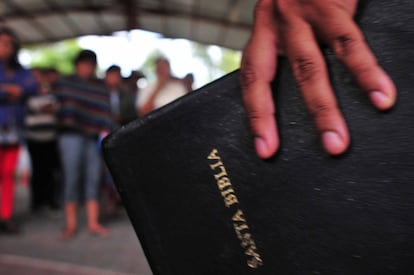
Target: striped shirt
[(84, 106), (39, 125)]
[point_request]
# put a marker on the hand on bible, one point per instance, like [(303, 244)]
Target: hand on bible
[(294, 28)]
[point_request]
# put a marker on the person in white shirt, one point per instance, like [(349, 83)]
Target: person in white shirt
[(165, 90)]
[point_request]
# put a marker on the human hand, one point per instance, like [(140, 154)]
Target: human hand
[(13, 91), (295, 27)]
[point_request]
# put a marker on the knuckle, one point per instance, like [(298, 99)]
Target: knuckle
[(248, 76), (262, 6), (305, 69), (345, 44), (257, 115), (320, 108)]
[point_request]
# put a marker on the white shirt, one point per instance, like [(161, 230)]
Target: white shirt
[(172, 90)]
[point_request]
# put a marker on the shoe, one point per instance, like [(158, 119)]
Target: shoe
[(9, 227)]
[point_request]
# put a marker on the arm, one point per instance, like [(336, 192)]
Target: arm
[(295, 27), (23, 86), (13, 92)]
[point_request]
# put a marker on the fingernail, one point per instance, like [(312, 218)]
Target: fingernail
[(333, 143), (381, 100), (261, 146)]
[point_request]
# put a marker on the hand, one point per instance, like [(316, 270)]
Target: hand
[(146, 108), (13, 91), (295, 27), (149, 104)]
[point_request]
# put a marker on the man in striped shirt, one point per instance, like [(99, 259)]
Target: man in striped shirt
[(84, 116), (41, 138)]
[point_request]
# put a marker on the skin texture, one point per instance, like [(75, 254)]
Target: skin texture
[(295, 28)]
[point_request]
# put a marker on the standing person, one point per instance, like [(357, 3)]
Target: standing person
[(166, 89), (122, 101), (132, 83), (16, 84), (123, 110), (41, 137), (84, 115)]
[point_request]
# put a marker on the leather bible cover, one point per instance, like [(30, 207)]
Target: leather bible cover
[(202, 202)]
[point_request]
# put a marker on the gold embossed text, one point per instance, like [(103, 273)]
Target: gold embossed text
[(239, 221)]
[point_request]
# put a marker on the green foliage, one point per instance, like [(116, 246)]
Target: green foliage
[(230, 60), (217, 60), (58, 55), (226, 61)]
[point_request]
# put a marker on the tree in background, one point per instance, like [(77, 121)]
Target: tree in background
[(217, 61), (58, 55), (230, 60)]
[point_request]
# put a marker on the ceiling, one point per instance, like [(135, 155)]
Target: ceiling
[(219, 22)]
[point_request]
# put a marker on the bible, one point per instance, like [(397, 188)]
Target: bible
[(202, 202)]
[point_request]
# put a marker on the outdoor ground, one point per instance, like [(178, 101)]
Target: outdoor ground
[(40, 251)]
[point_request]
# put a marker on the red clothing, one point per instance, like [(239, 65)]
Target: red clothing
[(8, 162)]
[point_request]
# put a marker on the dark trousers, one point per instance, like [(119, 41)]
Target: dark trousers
[(45, 166)]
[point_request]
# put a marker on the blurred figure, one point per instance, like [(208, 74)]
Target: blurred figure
[(84, 117), (51, 77), (121, 100), (188, 81), (16, 84), (123, 110), (41, 137), (132, 81), (166, 89)]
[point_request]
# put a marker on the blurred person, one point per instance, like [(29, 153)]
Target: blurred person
[(41, 137), (132, 81), (188, 81), (133, 84), (166, 89), (16, 85), (84, 116), (51, 77), (121, 100)]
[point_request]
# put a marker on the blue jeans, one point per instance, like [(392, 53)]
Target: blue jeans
[(81, 163)]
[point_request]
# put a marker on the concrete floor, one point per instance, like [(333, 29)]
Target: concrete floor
[(39, 250)]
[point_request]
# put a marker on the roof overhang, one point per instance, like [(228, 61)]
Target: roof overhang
[(224, 23)]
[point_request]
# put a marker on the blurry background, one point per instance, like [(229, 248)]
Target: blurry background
[(203, 37)]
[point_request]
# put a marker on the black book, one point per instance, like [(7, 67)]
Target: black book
[(202, 202)]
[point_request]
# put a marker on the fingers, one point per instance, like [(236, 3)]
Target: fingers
[(299, 24), (348, 44), (310, 71), (257, 71)]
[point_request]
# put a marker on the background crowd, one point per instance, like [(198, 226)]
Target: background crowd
[(62, 120)]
